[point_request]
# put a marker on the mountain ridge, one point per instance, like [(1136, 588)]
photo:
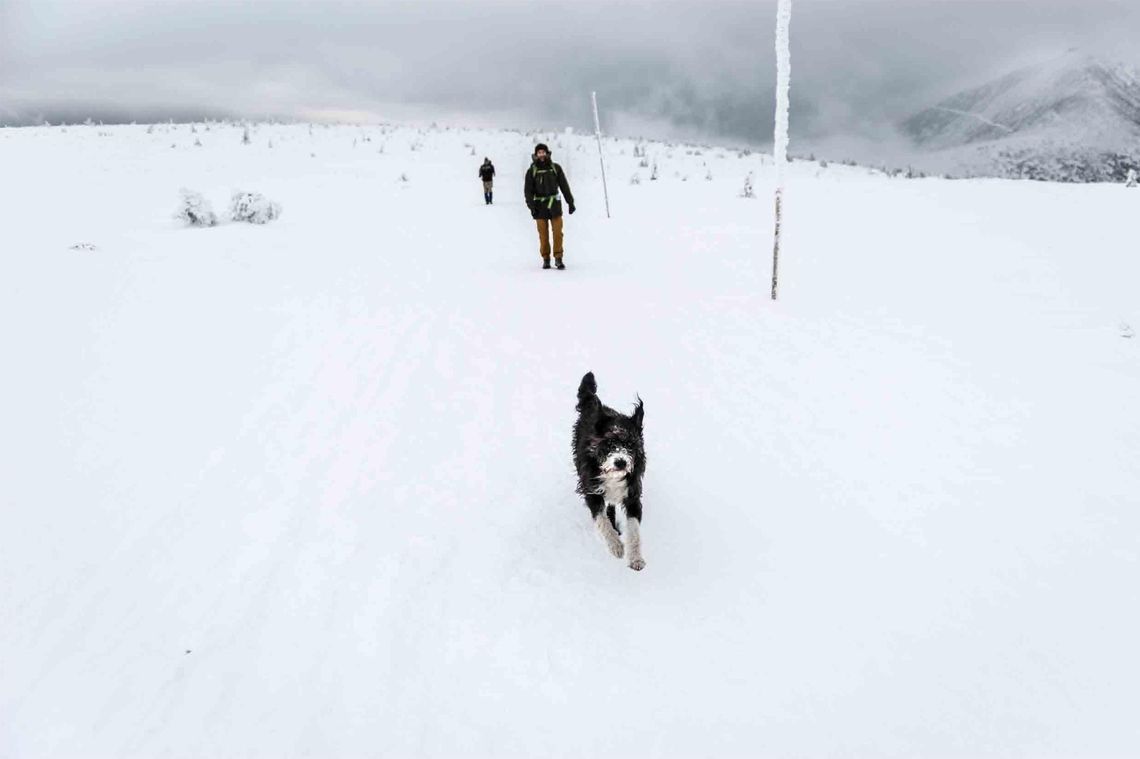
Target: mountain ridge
[(1073, 118)]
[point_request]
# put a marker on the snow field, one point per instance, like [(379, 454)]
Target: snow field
[(305, 488)]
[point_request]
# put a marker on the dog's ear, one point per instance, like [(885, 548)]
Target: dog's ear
[(639, 413), (588, 386)]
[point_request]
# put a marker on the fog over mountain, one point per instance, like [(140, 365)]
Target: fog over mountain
[(686, 68), (1075, 118)]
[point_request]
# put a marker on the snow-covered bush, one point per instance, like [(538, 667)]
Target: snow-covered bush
[(653, 175), (253, 207), (748, 192), (195, 210), (635, 179), (1131, 180)]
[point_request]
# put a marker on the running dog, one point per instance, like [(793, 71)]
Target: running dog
[(609, 455)]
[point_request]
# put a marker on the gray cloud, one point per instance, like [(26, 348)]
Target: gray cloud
[(697, 67)]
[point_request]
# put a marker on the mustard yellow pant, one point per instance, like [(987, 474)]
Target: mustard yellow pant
[(545, 226)]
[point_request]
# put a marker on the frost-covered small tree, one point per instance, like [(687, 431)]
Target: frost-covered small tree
[(253, 207), (195, 210), (653, 174), (1132, 179), (747, 191), (245, 136), (635, 179), (708, 174)]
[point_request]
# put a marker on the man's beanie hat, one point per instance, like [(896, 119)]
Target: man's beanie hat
[(541, 146)]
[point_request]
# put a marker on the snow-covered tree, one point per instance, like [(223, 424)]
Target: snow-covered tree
[(747, 191), (195, 210), (253, 207), (1131, 180)]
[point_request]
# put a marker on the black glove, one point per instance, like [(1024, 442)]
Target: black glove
[(571, 209)]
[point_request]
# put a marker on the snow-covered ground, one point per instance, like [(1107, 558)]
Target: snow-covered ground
[(305, 489)]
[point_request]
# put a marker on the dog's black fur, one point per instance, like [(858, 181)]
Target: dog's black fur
[(598, 432)]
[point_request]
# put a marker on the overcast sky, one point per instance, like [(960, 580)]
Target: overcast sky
[(689, 67)]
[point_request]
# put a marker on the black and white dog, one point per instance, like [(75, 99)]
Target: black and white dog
[(609, 455)]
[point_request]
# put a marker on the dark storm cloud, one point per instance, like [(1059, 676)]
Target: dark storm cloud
[(700, 67)]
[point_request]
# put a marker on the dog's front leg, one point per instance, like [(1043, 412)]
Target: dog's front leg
[(632, 534), (633, 544), (602, 524)]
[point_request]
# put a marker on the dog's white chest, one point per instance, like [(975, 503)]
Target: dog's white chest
[(615, 490)]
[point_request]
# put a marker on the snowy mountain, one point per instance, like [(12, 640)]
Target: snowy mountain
[(305, 489), (1072, 118)]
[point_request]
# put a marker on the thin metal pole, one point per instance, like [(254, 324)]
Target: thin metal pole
[(598, 134)]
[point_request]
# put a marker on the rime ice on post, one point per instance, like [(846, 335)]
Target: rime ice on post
[(780, 147)]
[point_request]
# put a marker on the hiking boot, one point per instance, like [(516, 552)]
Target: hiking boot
[(559, 265), (546, 263)]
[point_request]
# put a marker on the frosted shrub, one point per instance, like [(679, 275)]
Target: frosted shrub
[(195, 210), (748, 192), (635, 179), (1132, 179), (253, 207), (653, 175)]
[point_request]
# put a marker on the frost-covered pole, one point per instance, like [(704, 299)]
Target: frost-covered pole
[(598, 133), (780, 148)]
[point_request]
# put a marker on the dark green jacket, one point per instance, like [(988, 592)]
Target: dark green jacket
[(543, 182)]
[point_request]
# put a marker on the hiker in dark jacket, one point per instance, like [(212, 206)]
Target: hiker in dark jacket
[(487, 173), (544, 179)]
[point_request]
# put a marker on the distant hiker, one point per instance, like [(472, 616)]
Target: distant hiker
[(544, 179), (487, 174)]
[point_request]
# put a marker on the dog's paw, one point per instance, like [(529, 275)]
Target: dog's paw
[(637, 564), (616, 547)]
